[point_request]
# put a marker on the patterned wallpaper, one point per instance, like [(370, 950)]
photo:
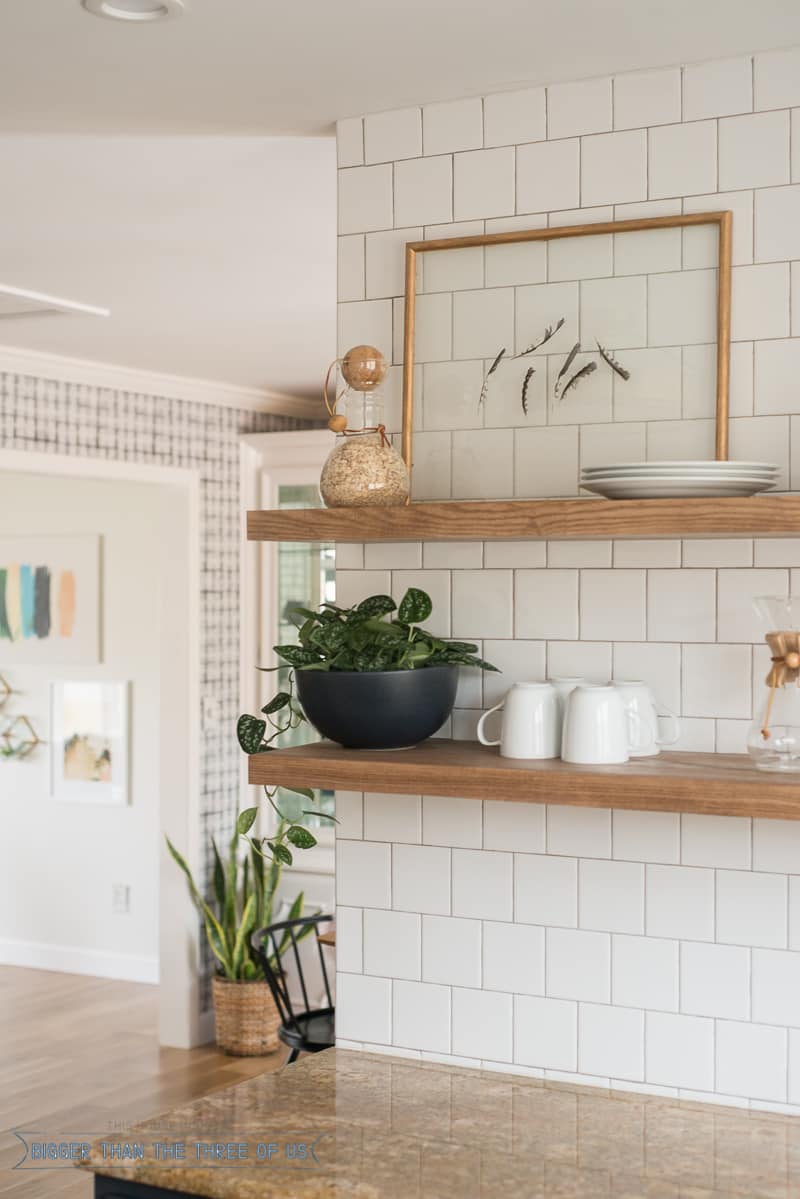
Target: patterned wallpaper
[(93, 422)]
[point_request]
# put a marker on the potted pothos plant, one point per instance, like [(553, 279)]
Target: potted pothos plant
[(243, 900), (369, 677)]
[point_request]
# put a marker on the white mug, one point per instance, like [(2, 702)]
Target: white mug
[(638, 695), (563, 685), (531, 726), (600, 727)]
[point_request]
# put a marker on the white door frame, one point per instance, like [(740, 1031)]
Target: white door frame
[(180, 1021), (268, 460)]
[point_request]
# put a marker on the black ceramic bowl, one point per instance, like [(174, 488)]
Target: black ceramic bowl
[(385, 709)]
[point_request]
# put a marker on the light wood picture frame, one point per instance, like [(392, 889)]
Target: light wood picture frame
[(722, 220)]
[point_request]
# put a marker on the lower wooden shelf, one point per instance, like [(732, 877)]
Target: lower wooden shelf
[(714, 784)]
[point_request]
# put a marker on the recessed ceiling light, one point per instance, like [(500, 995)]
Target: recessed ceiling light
[(134, 10)]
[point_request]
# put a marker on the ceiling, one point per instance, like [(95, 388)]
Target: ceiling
[(216, 255), (260, 66), (183, 173)]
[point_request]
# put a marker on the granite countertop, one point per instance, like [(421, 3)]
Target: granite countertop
[(354, 1125)]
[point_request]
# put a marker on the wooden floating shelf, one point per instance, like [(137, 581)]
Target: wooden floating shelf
[(520, 520), (713, 784)]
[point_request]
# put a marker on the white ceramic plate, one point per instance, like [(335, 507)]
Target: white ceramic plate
[(631, 489), (708, 466), (767, 476)]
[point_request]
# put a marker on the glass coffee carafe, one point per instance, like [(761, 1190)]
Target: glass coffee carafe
[(774, 738)]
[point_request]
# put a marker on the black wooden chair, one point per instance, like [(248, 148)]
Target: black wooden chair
[(312, 1029)]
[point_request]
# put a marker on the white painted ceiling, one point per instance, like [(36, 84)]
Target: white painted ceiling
[(216, 255), (293, 66), (166, 170)]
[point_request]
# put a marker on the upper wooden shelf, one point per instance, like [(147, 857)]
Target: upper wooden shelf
[(714, 784), (519, 520)]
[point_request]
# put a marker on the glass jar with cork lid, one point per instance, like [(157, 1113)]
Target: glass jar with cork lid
[(363, 468), (774, 738)]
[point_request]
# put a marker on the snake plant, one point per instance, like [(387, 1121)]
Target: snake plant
[(243, 900)]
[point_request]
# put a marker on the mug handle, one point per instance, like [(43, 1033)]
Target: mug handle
[(485, 740), (646, 732), (668, 714)]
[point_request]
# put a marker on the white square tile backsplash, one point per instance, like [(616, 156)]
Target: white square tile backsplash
[(642, 947)]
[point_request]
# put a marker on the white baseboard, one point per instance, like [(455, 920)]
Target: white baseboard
[(68, 959)]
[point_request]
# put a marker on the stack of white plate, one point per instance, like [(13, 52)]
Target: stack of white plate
[(675, 480)]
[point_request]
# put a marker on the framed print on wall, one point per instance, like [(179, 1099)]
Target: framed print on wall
[(50, 600), (531, 354), (89, 742)]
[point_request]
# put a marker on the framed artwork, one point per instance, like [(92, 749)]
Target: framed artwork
[(610, 325), (50, 600), (89, 741)]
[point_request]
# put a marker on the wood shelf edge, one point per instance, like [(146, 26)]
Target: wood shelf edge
[(711, 784), (512, 520)]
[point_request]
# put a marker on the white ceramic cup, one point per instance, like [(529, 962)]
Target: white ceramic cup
[(563, 685), (639, 696), (600, 727), (531, 725)]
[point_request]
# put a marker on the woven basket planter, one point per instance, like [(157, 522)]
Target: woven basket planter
[(246, 1017)]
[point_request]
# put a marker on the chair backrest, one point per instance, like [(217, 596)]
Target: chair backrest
[(272, 944)]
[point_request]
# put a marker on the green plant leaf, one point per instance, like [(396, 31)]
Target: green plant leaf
[(415, 606), (306, 792), (300, 837), (280, 853), (216, 940), (329, 637), (372, 658), (296, 655), (250, 733), (306, 614), (376, 605), (219, 877), (246, 924), (277, 702), (245, 821)]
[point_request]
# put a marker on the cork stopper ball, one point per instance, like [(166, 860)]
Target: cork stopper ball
[(363, 368)]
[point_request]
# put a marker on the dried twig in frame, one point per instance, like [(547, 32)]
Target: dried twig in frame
[(568, 361), (576, 378), (611, 361)]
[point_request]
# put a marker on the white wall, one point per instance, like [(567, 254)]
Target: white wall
[(61, 859), (637, 948)]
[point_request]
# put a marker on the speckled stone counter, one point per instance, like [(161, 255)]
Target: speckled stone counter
[(388, 1128)]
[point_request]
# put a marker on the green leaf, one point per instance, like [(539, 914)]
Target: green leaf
[(329, 637), (219, 877), (216, 939), (301, 838), (415, 606), (250, 733), (280, 853), (372, 658), (306, 792), (306, 614), (245, 821), (277, 702), (181, 861), (376, 605), (296, 655), (246, 924)]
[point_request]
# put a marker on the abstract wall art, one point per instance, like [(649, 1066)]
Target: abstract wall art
[(50, 599), (89, 741)]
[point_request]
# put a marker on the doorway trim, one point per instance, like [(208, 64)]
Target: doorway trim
[(181, 1023), (266, 461)]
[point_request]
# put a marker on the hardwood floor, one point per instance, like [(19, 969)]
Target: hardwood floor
[(80, 1055)]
